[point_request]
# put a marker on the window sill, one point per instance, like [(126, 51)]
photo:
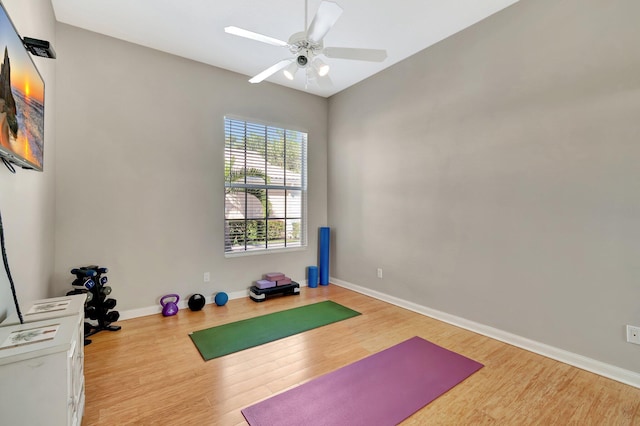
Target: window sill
[(263, 252)]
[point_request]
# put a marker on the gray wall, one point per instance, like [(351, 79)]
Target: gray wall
[(495, 176), (140, 185), (27, 198)]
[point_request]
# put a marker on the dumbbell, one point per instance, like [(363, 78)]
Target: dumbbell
[(106, 290), (109, 303), (86, 282), (113, 316), (91, 312), (103, 280), (83, 272)]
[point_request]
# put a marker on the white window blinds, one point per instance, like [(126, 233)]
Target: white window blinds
[(265, 187)]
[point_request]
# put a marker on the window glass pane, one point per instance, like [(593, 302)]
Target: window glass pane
[(293, 154), (277, 204), (234, 149), (275, 156), (256, 234), (294, 204), (255, 203), (234, 203), (234, 235), (276, 236), (245, 235), (294, 232)]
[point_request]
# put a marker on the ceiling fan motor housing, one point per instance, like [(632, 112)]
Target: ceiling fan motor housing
[(303, 48), (302, 60)]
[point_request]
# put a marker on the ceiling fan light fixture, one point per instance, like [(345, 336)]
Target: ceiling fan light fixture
[(321, 67), (290, 71)]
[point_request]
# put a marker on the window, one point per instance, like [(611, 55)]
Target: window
[(265, 198)]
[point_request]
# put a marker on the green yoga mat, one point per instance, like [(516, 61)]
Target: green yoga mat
[(229, 338)]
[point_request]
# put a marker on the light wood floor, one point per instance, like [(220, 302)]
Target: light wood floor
[(150, 373)]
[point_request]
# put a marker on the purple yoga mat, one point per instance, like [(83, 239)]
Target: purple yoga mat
[(382, 389)]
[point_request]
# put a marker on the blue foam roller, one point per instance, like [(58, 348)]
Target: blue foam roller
[(325, 234), (312, 276)]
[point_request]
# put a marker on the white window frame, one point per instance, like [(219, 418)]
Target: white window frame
[(287, 183)]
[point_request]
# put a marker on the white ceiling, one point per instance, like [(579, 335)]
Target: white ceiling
[(194, 29)]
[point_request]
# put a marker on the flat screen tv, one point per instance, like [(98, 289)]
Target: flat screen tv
[(21, 100)]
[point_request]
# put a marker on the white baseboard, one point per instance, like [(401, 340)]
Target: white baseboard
[(603, 369), (182, 304)]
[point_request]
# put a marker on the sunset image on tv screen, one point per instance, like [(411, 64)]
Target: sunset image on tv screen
[(21, 99)]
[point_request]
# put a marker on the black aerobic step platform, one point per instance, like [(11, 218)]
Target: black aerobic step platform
[(260, 295)]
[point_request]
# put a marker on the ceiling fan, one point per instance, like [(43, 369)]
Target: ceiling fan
[(307, 47)]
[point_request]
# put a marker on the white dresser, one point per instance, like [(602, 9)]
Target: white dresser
[(42, 364), (54, 307)]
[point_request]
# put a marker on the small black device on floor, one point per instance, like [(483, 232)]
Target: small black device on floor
[(92, 281)]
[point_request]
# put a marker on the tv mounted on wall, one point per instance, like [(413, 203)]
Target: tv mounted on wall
[(21, 100)]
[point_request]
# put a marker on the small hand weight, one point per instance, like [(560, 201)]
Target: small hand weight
[(169, 307)]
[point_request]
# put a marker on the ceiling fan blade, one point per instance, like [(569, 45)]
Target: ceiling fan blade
[(372, 55), (254, 36), (271, 70), (327, 15)]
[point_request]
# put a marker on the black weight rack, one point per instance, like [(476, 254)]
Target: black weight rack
[(98, 309)]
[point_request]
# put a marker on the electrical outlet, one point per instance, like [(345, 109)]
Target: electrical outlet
[(379, 272), (633, 334), (207, 277)]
